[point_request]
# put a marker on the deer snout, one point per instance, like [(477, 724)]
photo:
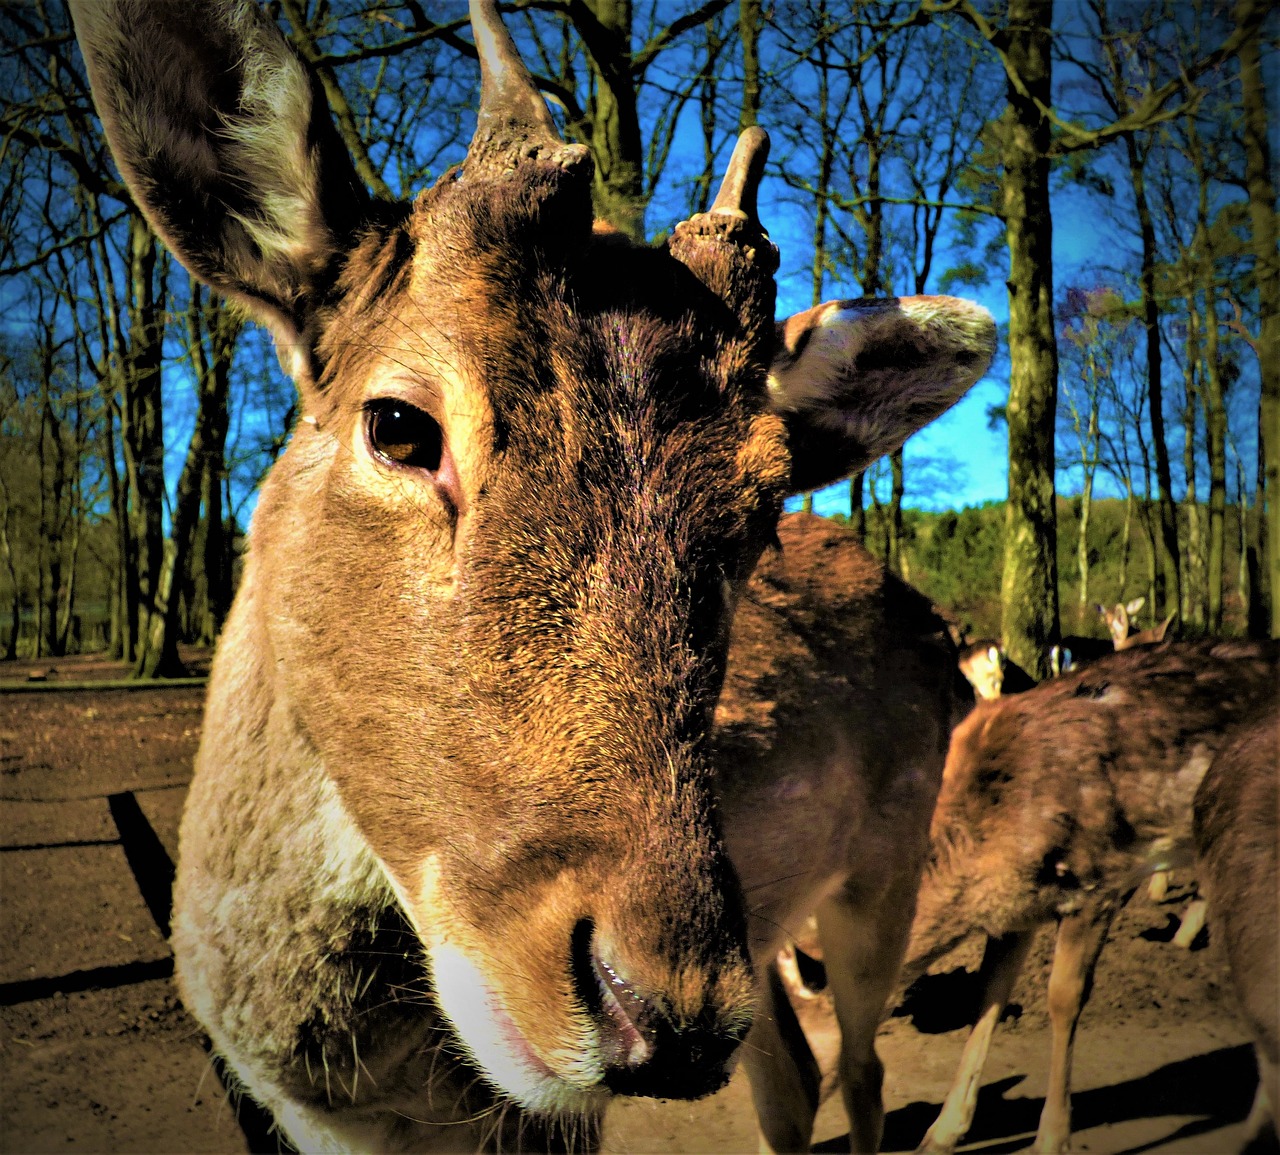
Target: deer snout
[(649, 1046)]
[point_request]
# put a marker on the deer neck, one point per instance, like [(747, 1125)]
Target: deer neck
[(289, 941)]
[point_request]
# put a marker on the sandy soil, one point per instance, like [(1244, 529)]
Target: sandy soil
[(97, 1054)]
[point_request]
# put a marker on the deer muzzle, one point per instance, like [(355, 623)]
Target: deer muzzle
[(633, 998)]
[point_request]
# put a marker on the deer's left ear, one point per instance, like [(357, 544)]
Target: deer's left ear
[(854, 379)]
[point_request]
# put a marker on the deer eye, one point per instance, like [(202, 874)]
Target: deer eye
[(405, 435)]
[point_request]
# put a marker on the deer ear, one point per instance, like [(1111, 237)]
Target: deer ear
[(225, 141), (1134, 606), (854, 379)]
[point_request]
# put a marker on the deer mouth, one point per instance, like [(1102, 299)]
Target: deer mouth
[(611, 1038)]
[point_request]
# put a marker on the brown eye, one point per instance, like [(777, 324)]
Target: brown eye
[(405, 435)]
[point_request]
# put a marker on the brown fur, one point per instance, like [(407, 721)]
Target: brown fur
[(457, 838), (841, 690), (1055, 803), (1237, 833)]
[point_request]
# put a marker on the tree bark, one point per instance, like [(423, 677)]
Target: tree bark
[(893, 553), (143, 435), (1212, 393), (159, 657), (1262, 216), (6, 551), (1193, 570), (1125, 538), (224, 330), (613, 120), (1029, 585), (1168, 577), (1086, 507)]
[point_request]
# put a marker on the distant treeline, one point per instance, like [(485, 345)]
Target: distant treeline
[(956, 558)]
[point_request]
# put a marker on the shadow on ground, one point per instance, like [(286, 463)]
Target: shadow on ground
[(1217, 1086), (939, 1003)]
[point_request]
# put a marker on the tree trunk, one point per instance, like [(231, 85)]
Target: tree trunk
[(6, 551), (160, 655), (143, 438), (1086, 507), (1125, 538), (857, 511), (1262, 215), (1242, 524), (893, 554), (1169, 577), (826, 161), (1029, 585), (1212, 395), (1193, 583), (224, 329), (613, 121)]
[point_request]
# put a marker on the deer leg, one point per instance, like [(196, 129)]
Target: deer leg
[(1001, 961), (1158, 887), (1080, 939), (863, 944), (1192, 920), (784, 1075)]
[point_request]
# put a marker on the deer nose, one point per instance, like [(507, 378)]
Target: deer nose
[(645, 1049)]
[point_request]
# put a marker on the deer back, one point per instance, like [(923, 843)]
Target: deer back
[(1084, 782), (841, 692)]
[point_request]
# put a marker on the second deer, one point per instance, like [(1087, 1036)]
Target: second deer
[(1054, 805), (1237, 833)]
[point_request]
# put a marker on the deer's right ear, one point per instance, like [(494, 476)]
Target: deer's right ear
[(854, 379), (225, 141), (1134, 606)]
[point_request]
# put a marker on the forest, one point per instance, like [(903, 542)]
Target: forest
[(919, 146)]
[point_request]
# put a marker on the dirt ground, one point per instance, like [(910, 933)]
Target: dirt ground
[(97, 1054)]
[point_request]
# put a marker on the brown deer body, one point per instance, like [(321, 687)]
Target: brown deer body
[(456, 862), (1054, 805), (1237, 833)]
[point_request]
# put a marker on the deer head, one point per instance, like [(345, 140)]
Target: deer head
[(982, 663), (1119, 619), (496, 566)]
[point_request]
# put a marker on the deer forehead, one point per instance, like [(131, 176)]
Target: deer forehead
[(615, 356)]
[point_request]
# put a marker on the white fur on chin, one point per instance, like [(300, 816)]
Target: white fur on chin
[(498, 1048)]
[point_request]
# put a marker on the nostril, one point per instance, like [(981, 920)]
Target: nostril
[(643, 1049)]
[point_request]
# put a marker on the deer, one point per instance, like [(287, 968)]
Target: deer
[(531, 733), (987, 668), (1054, 805), (1237, 839), (982, 663), (1119, 621)]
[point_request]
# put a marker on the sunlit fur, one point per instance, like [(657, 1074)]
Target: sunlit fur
[(464, 715)]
